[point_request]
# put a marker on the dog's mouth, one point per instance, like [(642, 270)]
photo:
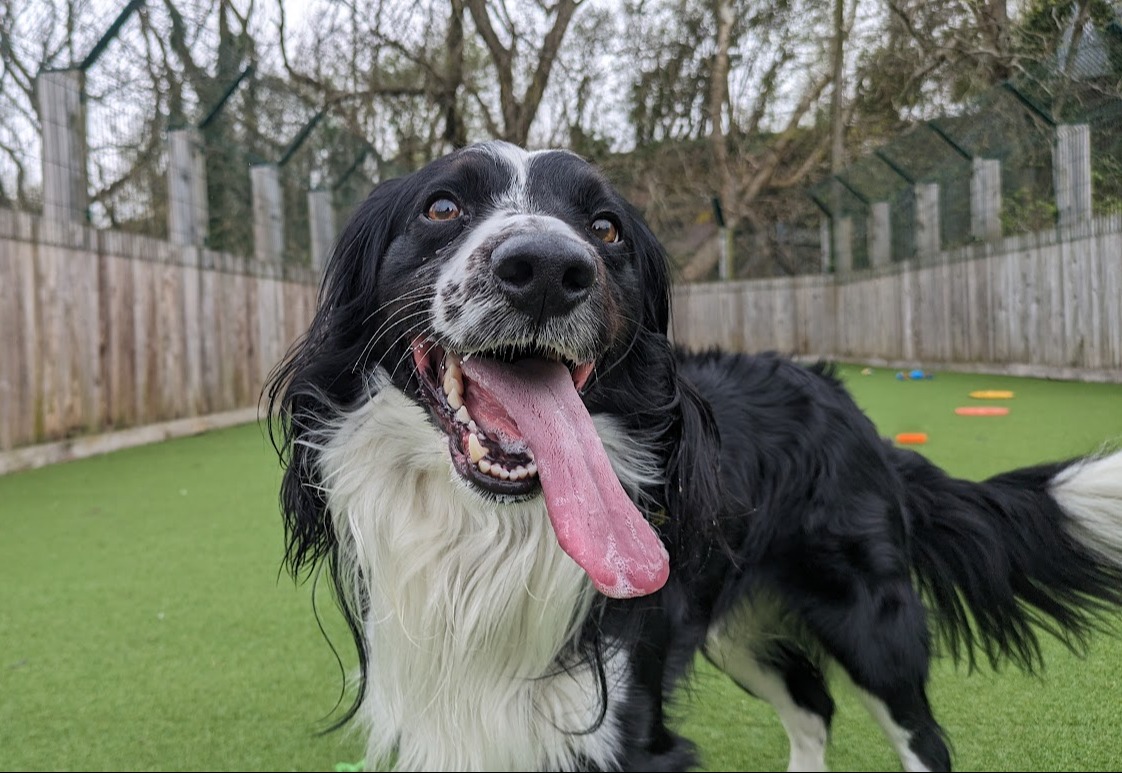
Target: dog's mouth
[(517, 426), (487, 448)]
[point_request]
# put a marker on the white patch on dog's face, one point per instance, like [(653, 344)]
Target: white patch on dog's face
[(517, 160), (516, 198)]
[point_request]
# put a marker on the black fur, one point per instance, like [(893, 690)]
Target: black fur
[(779, 492)]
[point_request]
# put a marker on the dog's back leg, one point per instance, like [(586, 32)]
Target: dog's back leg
[(879, 636), (776, 671)]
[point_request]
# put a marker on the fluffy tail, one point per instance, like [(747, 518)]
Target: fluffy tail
[(1034, 549)]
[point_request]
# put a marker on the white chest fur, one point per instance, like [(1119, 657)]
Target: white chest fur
[(471, 603)]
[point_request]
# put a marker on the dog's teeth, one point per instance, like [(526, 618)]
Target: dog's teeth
[(472, 426), (484, 465), (452, 386), (475, 449), (519, 472), (452, 380), (504, 473), (462, 415), (531, 469)]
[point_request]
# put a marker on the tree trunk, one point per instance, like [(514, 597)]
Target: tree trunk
[(455, 132)]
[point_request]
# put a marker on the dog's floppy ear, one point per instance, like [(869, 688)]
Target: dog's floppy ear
[(693, 488), (316, 379), (352, 270), (654, 274)]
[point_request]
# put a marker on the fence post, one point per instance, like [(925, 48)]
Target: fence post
[(187, 201), (321, 223), (843, 243), (268, 221), (880, 234), (62, 116), (927, 219), (824, 243), (985, 199), (1071, 173)]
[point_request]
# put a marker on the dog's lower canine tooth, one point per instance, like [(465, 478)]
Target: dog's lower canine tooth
[(475, 449)]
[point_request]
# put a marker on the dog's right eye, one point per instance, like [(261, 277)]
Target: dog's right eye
[(443, 209)]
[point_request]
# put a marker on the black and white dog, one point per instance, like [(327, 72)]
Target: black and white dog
[(536, 512)]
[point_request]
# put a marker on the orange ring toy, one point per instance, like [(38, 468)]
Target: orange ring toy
[(911, 438)]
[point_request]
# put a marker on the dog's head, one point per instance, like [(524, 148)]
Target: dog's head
[(507, 293)]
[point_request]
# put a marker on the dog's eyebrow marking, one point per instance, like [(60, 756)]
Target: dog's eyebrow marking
[(516, 160)]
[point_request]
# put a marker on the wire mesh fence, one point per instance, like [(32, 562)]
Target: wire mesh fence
[(91, 99), (95, 97), (1046, 148)]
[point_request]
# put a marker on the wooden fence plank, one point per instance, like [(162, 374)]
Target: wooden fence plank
[(50, 297), (10, 386), (1110, 249), (87, 407), (211, 330), (193, 400), (121, 349), (250, 341), (31, 407)]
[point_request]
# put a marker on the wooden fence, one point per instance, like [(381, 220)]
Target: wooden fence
[(102, 330), (1046, 304)]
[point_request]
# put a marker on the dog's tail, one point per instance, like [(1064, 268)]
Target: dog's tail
[(1035, 549)]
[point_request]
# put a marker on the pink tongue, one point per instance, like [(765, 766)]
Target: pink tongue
[(595, 521)]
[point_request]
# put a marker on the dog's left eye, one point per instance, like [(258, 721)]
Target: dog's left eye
[(605, 230), (443, 209)]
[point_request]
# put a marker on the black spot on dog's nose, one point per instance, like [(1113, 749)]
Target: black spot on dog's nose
[(543, 275)]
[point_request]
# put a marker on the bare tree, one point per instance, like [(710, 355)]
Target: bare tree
[(517, 111), (935, 53), (749, 162)]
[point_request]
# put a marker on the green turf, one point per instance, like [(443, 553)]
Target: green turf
[(144, 624)]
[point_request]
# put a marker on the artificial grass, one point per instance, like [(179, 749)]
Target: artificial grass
[(145, 624)]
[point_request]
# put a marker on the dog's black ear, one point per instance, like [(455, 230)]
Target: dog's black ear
[(653, 266), (352, 271), (316, 378), (683, 418)]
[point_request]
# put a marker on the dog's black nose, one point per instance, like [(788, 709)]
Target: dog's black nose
[(542, 274)]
